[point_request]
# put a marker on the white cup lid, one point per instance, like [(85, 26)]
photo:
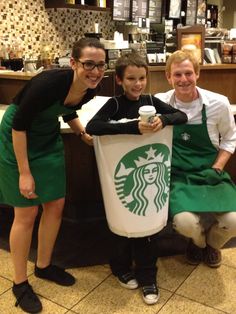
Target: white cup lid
[(147, 110)]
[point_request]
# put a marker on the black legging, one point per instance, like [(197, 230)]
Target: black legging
[(139, 254)]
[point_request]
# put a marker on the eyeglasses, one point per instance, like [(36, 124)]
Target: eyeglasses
[(89, 65)]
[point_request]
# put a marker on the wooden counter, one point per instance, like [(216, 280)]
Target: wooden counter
[(218, 78), (11, 83)]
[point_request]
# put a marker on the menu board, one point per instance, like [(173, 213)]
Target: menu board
[(121, 10), (155, 8), (174, 9), (191, 12), (139, 9), (201, 12)]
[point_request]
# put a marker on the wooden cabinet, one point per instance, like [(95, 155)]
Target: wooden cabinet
[(107, 85), (89, 5), (83, 196), (11, 84)]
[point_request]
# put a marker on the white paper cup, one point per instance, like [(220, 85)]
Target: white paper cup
[(147, 113), (96, 28)]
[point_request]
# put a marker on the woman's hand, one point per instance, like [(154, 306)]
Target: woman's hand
[(26, 180), (88, 139), (150, 127), (27, 186)]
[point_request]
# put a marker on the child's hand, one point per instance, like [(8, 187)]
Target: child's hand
[(156, 124), (145, 127), (149, 127)]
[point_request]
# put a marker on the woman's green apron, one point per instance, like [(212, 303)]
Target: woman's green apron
[(45, 154), (195, 186)]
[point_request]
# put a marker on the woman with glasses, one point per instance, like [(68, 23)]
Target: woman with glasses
[(32, 168)]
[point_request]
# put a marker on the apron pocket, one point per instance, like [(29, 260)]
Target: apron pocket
[(212, 177)]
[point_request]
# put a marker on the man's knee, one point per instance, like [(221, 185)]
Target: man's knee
[(187, 223), (227, 221)]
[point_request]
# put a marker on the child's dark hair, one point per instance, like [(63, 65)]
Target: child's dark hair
[(83, 43), (133, 59)]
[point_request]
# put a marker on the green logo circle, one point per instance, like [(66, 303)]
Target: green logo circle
[(142, 179)]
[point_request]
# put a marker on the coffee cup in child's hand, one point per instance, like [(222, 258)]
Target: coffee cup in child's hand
[(147, 113)]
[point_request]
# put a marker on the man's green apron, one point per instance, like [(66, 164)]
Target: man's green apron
[(195, 186)]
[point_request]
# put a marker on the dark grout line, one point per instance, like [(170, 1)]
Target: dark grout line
[(90, 292), (168, 299), (230, 266), (194, 268), (6, 278), (5, 291)]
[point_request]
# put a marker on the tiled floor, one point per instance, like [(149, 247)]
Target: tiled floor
[(184, 289)]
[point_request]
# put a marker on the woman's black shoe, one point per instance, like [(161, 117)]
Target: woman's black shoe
[(26, 298), (55, 274)]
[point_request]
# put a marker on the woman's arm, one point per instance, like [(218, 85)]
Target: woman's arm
[(26, 180), (78, 129)]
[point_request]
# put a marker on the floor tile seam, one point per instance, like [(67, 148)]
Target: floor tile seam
[(41, 296), (92, 290), (5, 291), (207, 305), (191, 272), (30, 274), (173, 291), (48, 299), (230, 266), (11, 280), (70, 311), (172, 294), (166, 289), (6, 278)]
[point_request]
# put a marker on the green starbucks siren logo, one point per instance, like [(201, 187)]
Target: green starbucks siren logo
[(142, 179)]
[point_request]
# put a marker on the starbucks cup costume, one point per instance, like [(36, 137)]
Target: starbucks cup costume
[(195, 186)]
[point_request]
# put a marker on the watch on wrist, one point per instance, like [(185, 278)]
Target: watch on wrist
[(82, 133)]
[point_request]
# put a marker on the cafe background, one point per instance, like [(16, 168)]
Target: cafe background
[(30, 30), (47, 30)]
